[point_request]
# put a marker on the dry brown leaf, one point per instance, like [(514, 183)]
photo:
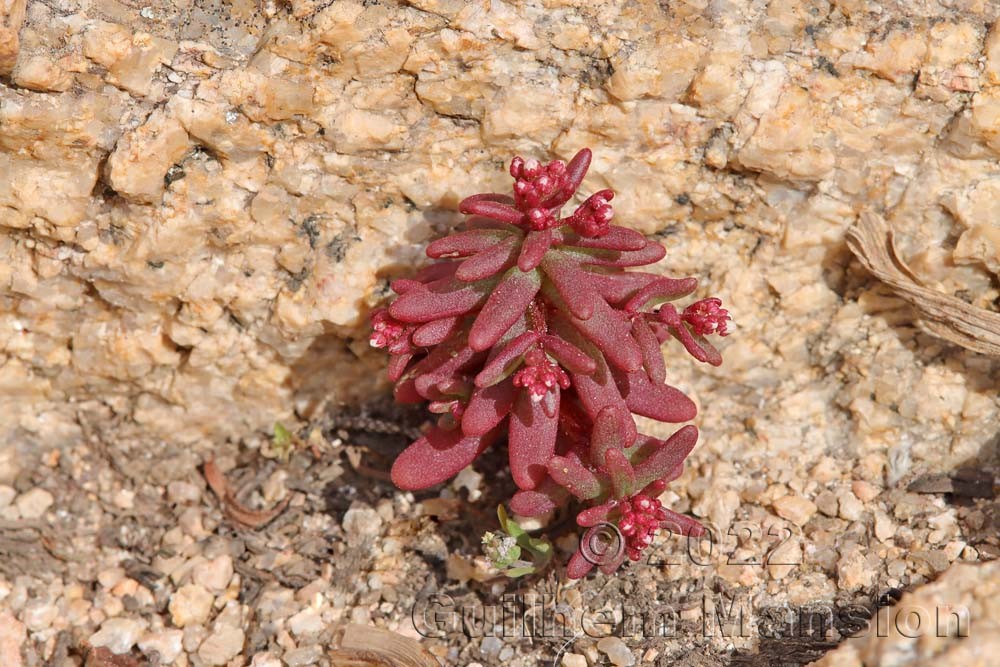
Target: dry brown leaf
[(367, 646), (233, 509), (102, 657), (942, 315)]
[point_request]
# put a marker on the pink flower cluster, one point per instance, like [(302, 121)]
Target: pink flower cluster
[(533, 325)]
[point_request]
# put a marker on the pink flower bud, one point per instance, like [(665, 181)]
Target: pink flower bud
[(707, 317), (517, 167)]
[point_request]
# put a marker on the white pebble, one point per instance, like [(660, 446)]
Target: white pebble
[(214, 574), (306, 622), (221, 646), (190, 605), (616, 650), (118, 635), (166, 643), (32, 504)]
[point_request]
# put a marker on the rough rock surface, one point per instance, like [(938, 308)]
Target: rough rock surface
[(200, 201)]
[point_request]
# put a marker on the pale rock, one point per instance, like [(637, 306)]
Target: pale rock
[(865, 491), (305, 655), (306, 622), (12, 633), (617, 651), (180, 491), (785, 558), (214, 574), (662, 66), (574, 660), (118, 635), (224, 644), (34, 503), (850, 507), (140, 161), (884, 526), (165, 643), (39, 614), (826, 502), (853, 571), (361, 524), (11, 16), (131, 59), (41, 73), (265, 660), (190, 605), (794, 508), (7, 495)]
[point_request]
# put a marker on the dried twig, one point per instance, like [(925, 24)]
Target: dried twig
[(233, 509), (942, 315), (367, 646)]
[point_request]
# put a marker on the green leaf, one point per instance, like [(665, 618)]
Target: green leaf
[(282, 436), (516, 572)]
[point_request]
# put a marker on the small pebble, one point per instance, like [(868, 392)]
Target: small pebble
[(214, 574), (7, 495), (361, 523), (118, 635), (183, 492), (224, 644), (165, 643), (32, 504), (299, 657), (796, 509), (306, 622), (190, 605), (574, 660), (616, 650), (850, 507), (490, 646)]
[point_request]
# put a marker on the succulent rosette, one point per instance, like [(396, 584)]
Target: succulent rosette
[(530, 324)]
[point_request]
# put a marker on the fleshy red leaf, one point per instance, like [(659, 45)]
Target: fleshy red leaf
[(578, 566), (574, 477), (575, 172), (445, 298), (617, 238), (545, 498), (617, 287), (594, 515), (489, 262), (655, 400), (595, 390), (678, 524), (436, 332), (397, 366), (505, 306), (436, 457), (621, 473), (611, 333), (568, 355), (504, 362), (652, 357), (652, 253), (491, 209), (465, 244), (487, 408), (531, 440), (661, 289), (668, 455), (567, 276), (536, 244), (609, 433)]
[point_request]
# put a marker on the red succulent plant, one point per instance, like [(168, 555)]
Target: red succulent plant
[(529, 323)]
